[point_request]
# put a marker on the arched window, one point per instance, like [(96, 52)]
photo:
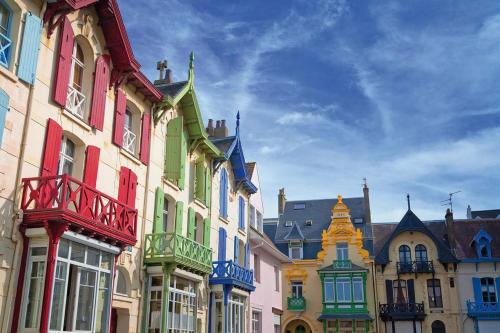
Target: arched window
[(438, 327), (420, 253), (300, 329), (121, 283), (5, 42), (404, 254), (129, 137), (66, 157), (75, 102)]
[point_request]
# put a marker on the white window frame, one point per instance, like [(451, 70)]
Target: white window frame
[(236, 309), (192, 299), (75, 98), (357, 281), (63, 157), (329, 284), (345, 284), (148, 307), (27, 283), (252, 218), (256, 321), (295, 245), (342, 251), (129, 137), (297, 289)]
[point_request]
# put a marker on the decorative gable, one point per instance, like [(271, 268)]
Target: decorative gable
[(482, 244)]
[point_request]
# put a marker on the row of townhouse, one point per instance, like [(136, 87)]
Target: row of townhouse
[(350, 275), (120, 211)]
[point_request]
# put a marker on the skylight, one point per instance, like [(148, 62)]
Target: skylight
[(300, 205)]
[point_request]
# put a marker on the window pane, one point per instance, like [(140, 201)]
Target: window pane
[(102, 314), (329, 290), (58, 296), (77, 252), (358, 289), (38, 251), (106, 260), (63, 250), (85, 305), (35, 290), (93, 257)]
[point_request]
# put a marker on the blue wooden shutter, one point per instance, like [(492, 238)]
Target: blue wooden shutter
[(4, 107), (236, 249), (223, 193), (247, 255), (241, 216), (411, 291), (28, 58), (222, 245), (476, 284)]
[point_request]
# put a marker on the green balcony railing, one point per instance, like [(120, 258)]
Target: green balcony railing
[(177, 249), (296, 303), (342, 264)]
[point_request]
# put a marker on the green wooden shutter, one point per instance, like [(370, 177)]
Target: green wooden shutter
[(30, 47), (179, 207), (200, 178), (191, 224), (158, 217), (182, 160), (206, 232), (208, 185), (173, 149), (4, 107)]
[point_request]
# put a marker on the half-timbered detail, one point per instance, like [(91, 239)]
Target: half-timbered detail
[(79, 219)]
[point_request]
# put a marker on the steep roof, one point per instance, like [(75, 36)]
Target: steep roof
[(319, 212), (465, 230), (295, 233), (486, 214), (410, 222)]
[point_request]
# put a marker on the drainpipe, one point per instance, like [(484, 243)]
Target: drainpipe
[(142, 271), (375, 293), (16, 213)]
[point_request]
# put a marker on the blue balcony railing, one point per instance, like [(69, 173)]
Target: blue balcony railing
[(5, 44), (228, 272), (483, 309)]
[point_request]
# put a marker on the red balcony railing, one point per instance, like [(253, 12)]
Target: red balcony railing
[(63, 198)]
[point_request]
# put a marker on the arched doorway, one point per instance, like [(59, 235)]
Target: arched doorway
[(297, 326), (438, 327)]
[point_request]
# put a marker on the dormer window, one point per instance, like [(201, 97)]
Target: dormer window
[(299, 206), (295, 250), (482, 244), (309, 223), (288, 223)]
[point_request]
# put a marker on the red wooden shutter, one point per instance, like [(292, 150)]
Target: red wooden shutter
[(66, 41), (91, 166), (120, 107), (123, 186), (50, 158), (145, 135), (132, 186), (101, 83)]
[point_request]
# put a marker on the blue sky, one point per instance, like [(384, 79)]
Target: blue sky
[(404, 93)]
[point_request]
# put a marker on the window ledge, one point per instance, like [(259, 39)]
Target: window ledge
[(8, 74), (226, 221), (171, 183), (134, 159), (77, 120), (242, 232), (200, 203)]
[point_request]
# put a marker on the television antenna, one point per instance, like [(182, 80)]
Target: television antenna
[(449, 201)]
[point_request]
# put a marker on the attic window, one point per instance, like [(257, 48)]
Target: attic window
[(299, 206), (309, 223), (358, 220), (288, 223)]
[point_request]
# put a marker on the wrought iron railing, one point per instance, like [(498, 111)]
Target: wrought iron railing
[(174, 248), (5, 44), (342, 264), (296, 303), (129, 140), (65, 197), (75, 102), (229, 270), (417, 266), (489, 309), (402, 310)]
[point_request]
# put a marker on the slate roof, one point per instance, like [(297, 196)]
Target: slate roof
[(410, 222), (486, 214), (465, 230), (270, 230), (330, 268), (295, 233), (171, 89), (224, 144), (319, 211)]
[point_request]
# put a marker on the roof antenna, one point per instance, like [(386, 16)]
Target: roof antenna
[(449, 201), (408, 199)]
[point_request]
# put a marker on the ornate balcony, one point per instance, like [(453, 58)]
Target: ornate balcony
[(75, 102), (5, 44), (229, 273), (179, 250), (342, 264), (85, 209), (402, 311), (296, 303), (483, 309), (417, 266)]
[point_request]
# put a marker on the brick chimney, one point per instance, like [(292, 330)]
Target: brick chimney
[(450, 229), (165, 73), (220, 130), (281, 201), (366, 199), (210, 127), (469, 212)]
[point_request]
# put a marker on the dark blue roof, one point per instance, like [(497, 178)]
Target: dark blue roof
[(270, 230), (410, 222), (295, 233)]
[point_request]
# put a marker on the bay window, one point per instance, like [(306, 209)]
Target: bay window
[(34, 287), (357, 289), (343, 289), (181, 316), (329, 293)]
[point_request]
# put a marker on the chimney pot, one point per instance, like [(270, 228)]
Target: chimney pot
[(169, 75), (210, 127), (281, 201), (220, 129), (217, 124)]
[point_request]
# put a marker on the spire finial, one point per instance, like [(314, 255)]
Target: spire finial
[(408, 199), (238, 122), (339, 198), (191, 60)]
